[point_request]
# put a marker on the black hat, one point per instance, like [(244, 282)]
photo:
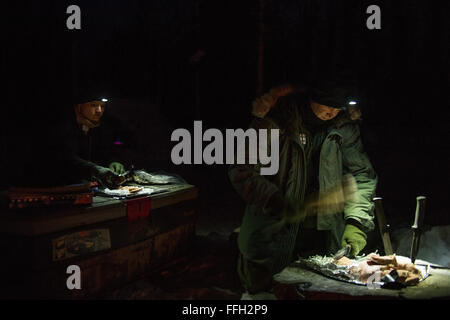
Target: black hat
[(92, 98), (332, 94), (90, 90), (91, 95)]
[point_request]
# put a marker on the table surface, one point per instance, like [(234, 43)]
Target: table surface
[(436, 285), (47, 220)]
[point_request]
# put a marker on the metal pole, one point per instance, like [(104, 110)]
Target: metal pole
[(260, 75)]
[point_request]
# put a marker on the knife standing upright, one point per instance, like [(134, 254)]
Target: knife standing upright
[(417, 226), (383, 226)]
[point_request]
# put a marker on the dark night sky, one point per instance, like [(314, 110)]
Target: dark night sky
[(141, 50)]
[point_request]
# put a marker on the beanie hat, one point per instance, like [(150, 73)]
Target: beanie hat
[(331, 94)]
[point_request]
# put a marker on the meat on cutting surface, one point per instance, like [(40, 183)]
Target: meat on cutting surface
[(383, 260), (375, 264), (344, 261)]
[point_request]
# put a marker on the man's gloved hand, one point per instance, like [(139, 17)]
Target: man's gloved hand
[(262, 105), (286, 208), (354, 237), (106, 177), (117, 167)]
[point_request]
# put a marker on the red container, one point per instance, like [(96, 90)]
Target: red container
[(138, 208)]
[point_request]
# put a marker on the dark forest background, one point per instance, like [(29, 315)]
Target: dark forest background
[(170, 62)]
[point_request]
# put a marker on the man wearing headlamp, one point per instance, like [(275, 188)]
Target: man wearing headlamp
[(320, 199), (89, 159)]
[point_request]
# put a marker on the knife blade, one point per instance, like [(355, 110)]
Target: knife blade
[(417, 226), (344, 252), (383, 227), (126, 176)]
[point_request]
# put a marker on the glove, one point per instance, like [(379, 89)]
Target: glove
[(117, 167), (262, 105), (106, 177), (354, 237), (286, 208)]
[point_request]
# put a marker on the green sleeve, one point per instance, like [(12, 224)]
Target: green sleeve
[(357, 163), (254, 188)]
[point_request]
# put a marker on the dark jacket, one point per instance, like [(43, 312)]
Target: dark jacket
[(98, 147), (268, 240)]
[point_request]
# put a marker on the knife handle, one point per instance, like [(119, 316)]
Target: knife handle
[(420, 209)]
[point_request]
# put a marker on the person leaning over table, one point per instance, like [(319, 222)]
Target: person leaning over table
[(86, 153), (320, 199)]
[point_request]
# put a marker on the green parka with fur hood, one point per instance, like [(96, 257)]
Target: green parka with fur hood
[(266, 239)]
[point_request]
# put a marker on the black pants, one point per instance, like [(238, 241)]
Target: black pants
[(256, 277)]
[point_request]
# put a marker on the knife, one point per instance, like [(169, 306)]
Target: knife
[(383, 227), (126, 176), (344, 252), (417, 227)]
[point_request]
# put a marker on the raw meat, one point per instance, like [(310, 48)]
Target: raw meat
[(406, 273), (371, 269)]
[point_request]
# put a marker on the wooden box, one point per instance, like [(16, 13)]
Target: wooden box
[(110, 244)]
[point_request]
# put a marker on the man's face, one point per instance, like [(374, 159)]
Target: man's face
[(93, 110), (324, 112)]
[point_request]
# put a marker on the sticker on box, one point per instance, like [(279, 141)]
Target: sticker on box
[(80, 243)]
